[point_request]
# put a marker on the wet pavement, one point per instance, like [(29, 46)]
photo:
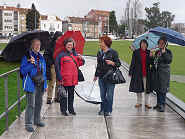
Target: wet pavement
[(126, 121)]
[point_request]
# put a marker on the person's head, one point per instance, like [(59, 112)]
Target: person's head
[(105, 42), (35, 45), (162, 42), (69, 44), (57, 35), (143, 44)]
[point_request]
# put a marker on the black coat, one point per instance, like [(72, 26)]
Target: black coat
[(102, 67), (161, 71), (135, 71)]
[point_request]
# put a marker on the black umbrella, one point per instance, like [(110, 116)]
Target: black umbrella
[(20, 44)]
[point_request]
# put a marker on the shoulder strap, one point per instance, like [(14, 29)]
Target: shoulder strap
[(74, 61)]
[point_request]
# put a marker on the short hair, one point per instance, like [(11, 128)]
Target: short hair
[(143, 41), (107, 40), (68, 40), (34, 40), (163, 38)]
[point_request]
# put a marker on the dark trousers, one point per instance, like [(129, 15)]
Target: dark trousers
[(107, 94), (161, 98), (67, 101)]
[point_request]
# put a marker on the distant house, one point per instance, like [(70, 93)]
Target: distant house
[(22, 19), (9, 20), (88, 27), (102, 17), (50, 23)]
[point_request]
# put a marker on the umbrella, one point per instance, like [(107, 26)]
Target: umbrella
[(89, 92), (151, 38), (20, 44), (171, 35), (76, 36)]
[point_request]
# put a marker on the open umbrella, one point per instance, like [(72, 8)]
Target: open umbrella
[(20, 44), (151, 38), (171, 35), (89, 92), (76, 36)]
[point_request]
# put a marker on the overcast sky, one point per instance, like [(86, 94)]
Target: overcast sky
[(63, 8)]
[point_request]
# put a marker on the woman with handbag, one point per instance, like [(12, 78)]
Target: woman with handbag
[(67, 64), (139, 72), (33, 69), (107, 60)]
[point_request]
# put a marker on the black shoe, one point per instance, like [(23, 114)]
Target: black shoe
[(107, 114), (64, 113), (73, 113), (57, 100), (156, 107), (29, 129), (41, 124), (161, 108), (49, 101), (101, 113)]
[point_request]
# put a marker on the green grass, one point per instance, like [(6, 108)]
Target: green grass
[(12, 93), (177, 89), (2, 46)]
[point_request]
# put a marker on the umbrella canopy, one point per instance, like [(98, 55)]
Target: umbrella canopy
[(20, 44), (171, 35), (89, 92), (151, 38), (76, 36)]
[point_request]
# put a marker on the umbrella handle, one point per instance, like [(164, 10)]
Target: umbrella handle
[(92, 88)]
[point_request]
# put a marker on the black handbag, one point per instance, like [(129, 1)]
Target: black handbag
[(80, 74), (114, 77), (38, 79)]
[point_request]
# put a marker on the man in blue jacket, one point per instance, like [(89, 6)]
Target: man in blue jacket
[(31, 66)]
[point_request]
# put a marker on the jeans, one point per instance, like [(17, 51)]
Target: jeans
[(33, 107), (107, 94), (161, 98), (67, 100)]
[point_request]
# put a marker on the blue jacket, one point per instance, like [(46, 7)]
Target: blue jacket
[(29, 70)]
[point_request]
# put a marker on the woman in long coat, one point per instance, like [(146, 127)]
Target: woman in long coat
[(161, 83), (140, 74)]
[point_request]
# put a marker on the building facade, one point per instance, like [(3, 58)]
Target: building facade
[(50, 23), (102, 17), (9, 23)]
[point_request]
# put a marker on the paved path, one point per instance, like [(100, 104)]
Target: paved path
[(126, 121)]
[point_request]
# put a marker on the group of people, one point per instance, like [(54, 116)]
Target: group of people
[(148, 72)]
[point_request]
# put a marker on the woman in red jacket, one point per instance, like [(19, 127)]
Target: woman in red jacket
[(67, 73)]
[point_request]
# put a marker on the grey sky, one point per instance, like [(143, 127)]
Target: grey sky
[(63, 8)]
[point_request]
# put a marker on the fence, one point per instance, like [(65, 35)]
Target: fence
[(19, 98)]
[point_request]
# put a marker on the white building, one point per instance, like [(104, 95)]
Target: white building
[(50, 23), (9, 23)]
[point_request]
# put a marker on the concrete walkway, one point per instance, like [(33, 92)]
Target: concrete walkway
[(126, 122)]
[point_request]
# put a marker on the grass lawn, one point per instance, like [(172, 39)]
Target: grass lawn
[(2, 46), (177, 89), (12, 93)]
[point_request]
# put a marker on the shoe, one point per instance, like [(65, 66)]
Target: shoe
[(73, 113), (57, 100), (161, 108), (49, 101), (148, 106), (100, 113), (156, 107), (41, 124), (64, 113), (138, 105), (107, 114), (29, 129)]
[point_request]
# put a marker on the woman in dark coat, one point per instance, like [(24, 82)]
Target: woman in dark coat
[(162, 60), (140, 74), (107, 59)]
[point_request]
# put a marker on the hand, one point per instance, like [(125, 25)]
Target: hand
[(109, 62), (151, 54), (32, 60), (95, 78)]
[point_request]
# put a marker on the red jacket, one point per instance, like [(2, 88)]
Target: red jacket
[(67, 70)]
